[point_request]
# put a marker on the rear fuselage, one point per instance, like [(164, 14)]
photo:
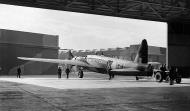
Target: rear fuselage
[(99, 64)]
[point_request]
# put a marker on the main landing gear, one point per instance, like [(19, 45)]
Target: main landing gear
[(137, 78), (80, 73)]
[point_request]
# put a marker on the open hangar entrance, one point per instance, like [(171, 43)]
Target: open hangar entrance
[(175, 12)]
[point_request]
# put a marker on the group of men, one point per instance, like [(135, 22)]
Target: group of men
[(67, 71)]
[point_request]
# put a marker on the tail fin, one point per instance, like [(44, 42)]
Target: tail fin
[(142, 54)]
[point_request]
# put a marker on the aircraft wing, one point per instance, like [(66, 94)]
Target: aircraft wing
[(154, 63), (125, 70), (58, 61)]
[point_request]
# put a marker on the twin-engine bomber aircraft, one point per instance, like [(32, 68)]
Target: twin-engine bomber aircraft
[(103, 64)]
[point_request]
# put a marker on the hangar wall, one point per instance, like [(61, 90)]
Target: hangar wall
[(179, 46), (15, 43)]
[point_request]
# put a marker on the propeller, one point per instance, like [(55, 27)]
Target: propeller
[(68, 54)]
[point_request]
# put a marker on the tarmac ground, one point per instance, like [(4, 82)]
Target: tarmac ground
[(92, 93)]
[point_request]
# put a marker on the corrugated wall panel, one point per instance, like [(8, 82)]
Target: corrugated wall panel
[(15, 43), (27, 38)]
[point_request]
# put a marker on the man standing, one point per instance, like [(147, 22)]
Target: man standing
[(18, 72), (111, 75), (171, 75), (67, 71), (163, 69), (59, 72)]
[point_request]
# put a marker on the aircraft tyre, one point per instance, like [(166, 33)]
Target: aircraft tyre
[(178, 80), (80, 74), (158, 77), (137, 78)]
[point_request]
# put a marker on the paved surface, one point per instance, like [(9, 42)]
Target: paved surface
[(93, 93)]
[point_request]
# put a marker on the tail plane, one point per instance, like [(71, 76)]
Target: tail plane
[(142, 54)]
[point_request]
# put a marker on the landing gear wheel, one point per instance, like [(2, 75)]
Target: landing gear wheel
[(178, 80), (158, 77), (137, 78), (80, 74)]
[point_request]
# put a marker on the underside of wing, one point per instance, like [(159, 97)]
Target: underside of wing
[(125, 70), (58, 61), (128, 72), (154, 63)]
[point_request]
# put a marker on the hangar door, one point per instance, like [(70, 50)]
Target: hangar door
[(179, 46)]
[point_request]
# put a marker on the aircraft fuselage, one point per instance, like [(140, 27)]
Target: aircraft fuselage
[(99, 63)]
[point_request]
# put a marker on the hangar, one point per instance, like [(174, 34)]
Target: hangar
[(175, 12), (16, 43)]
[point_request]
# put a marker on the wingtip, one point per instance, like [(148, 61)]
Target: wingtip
[(20, 57)]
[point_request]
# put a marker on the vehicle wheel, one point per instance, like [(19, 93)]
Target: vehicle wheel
[(178, 80), (158, 77)]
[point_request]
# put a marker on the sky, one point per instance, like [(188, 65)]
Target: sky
[(80, 31)]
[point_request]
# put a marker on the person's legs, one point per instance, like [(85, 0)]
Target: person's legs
[(110, 76), (171, 81), (59, 76), (67, 75)]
